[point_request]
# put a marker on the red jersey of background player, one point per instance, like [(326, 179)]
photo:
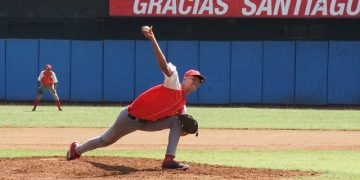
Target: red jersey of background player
[(47, 77)]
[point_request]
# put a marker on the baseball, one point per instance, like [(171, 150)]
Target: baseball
[(145, 28)]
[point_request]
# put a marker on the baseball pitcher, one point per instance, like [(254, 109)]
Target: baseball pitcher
[(155, 109)]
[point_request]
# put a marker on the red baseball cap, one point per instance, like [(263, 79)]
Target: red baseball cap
[(196, 73), (48, 66)]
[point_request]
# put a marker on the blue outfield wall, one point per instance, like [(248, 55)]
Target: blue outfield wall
[(2, 69), (21, 68), (278, 72), (311, 73), (344, 73), (119, 70), (238, 72), (246, 72), (86, 71)]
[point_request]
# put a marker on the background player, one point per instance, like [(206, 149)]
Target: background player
[(47, 81)]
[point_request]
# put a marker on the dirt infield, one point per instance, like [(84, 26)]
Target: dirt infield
[(126, 168), (130, 168)]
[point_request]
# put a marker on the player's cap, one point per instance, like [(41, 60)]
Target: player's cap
[(196, 73), (48, 66)]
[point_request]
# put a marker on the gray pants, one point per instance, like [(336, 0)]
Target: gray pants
[(51, 89), (125, 125)]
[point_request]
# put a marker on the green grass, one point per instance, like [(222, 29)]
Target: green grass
[(332, 164), (265, 118), (209, 117), (49, 116)]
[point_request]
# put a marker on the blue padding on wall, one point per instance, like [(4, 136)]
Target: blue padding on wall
[(215, 65), (57, 53), (2, 69), (311, 73), (246, 72), (147, 70), (279, 72), (21, 69), (119, 71), (185, 55), (344, 73), (86, 71)]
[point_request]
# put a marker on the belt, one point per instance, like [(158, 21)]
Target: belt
[(132, 117), (135, 118)]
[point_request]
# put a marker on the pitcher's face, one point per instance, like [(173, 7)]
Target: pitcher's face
[(191, 83)]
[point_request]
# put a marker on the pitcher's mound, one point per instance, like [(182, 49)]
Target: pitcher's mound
[(128, 168)]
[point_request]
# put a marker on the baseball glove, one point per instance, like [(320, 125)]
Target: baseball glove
[(188, 124), (40, 90)]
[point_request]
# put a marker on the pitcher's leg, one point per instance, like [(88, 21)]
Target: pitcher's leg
[(122, 126), (171, 123), (174, 125), (174, 136)]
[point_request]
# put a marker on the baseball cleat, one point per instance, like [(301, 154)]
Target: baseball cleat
[(72, 154), (171, 164)]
